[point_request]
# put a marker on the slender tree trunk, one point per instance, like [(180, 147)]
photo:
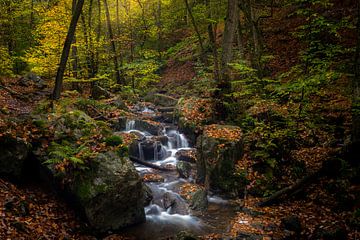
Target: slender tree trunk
[(228, 39), (355, 135), (159, 30), (212, 40), (66, 50), (98, 34), (195, 27), (87, 48), (224, 84), (74, 55), (113, 46), (121, 58), (240, 40)]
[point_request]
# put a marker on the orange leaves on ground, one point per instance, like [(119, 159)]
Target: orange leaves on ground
[(223, 132), (188, 189), (153, 178), (197, 110)]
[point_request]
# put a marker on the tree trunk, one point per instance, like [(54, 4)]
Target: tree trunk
[(212, 40), (240, 40), (355, 135), (113, 46), (227, 43), (66, 50), (195, 26), (159, 29), (74, 55)]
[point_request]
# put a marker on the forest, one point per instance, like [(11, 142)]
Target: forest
[(180, 119)]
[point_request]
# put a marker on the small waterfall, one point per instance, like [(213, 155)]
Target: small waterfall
[(141, 152), (183, 141), (156, 151), (177, 140), (130, 125)]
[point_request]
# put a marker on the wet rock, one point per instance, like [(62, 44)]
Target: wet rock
[(148, 149), (119, 103), (13, 155), (110, 193), (184, 169), (176, 204), (98, 92), (199, 201), (187, 155), (183, 235), (148, 195), (153, 128), (218, 149), (153, 210), (292, 223)]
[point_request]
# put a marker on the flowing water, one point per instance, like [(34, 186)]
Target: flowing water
[(162, 222)]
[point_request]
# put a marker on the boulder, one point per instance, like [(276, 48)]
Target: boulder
[(32, 79), (186, 155), (218, 149), (292, 223), (164, 100), (98, 92), (176, 204), (110, 193), (153, 128), (184, 169), (199, 201), (13, 155), (148, 195)]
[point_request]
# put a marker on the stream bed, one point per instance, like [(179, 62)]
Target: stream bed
[(163, 219)]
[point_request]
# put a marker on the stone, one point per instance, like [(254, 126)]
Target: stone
[(199, 201), (13, 154), (148, 195), (218, 149), (110, 193), (186, 155), (147, 149), (184, 169), (176, 204), (98, 92), (32, 79), (292, 223), (153, 128), (164, 100)]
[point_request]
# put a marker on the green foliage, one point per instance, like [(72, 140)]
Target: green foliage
[(69, 154), (6, 62), (113, 140)]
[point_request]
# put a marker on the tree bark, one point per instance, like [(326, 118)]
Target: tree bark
[(212, 40), (195, 27), (119, 80), (355, 134), (228, 39), (66, 50)]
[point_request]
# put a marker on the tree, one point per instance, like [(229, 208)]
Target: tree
[(119, 79), (66, 50)]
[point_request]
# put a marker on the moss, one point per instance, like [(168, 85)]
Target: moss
[(113, 140)]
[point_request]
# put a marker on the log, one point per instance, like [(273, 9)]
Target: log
[(150, 165), (290, 189)]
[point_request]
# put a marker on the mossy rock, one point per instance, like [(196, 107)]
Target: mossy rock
[(110, 193), (218, 150)]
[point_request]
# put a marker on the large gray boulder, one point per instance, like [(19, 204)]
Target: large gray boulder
[(13, 154), (110, 193), (218, 149)]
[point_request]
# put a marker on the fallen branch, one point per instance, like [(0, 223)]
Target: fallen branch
[(148, 164), (12, 92), (291, 189)]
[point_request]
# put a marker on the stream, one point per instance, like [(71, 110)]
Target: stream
[(162, 219)]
